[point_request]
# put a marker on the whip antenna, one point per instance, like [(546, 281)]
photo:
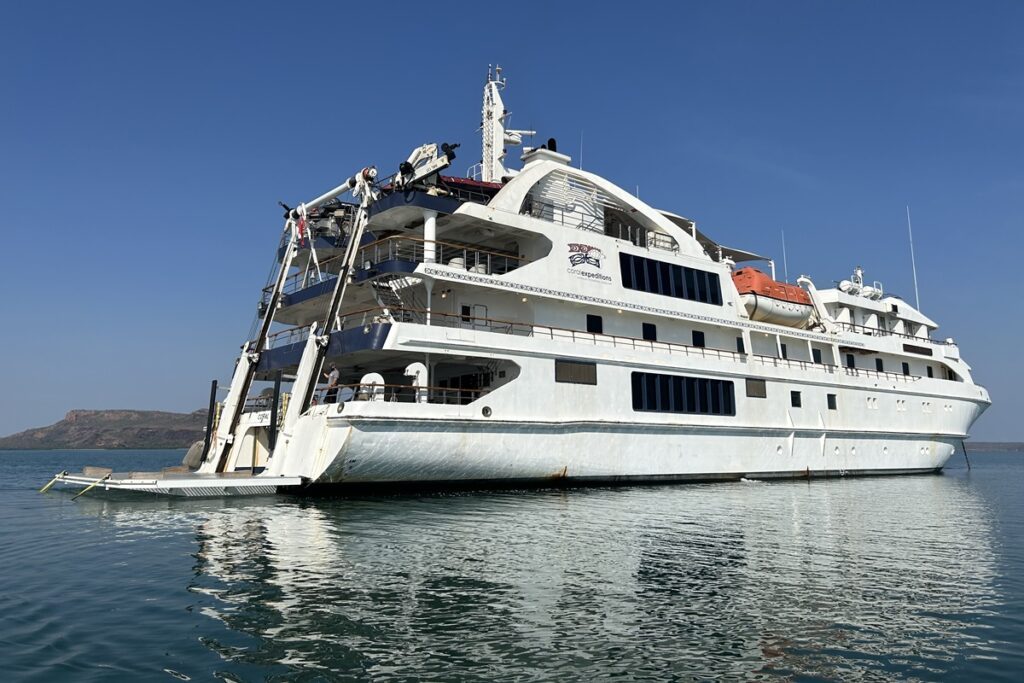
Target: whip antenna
[(913, 263), (785, 261)]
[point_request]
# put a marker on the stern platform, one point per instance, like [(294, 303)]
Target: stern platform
[(176, 482)]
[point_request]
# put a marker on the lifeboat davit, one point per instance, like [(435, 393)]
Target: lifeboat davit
[(771, 301)]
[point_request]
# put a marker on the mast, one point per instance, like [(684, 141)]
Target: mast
[(492, 125)]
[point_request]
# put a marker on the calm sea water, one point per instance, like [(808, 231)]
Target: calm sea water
[(918, 578)]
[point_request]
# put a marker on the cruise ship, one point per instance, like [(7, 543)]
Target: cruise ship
[(535, 325)]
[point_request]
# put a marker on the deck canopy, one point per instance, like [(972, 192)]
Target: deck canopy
[(714, 249)]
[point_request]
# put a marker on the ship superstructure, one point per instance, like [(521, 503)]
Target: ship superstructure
[(523, 326)]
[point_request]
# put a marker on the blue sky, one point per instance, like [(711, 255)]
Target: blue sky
[(144, 147)]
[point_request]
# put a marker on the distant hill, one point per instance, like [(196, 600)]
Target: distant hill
[(981, 446), (113, 429)]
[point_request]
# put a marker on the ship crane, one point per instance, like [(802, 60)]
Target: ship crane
[(423, 164), (360, 185)]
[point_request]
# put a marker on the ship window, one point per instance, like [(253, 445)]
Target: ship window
[(669, 279), (879, 365), (931, 373), (906, 368), (757, 388), (650, 332), (794, 399), (831, 401), (850, 362), (782, 351), (816, 354), (467, 314), (739, 345), (595, 324), (698, 338), (575, 372), (895, 308), (674, 394)]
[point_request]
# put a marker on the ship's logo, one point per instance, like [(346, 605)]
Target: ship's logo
[(580, 254)]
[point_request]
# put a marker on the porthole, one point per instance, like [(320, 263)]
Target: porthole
[(341, 406), (486, 411)]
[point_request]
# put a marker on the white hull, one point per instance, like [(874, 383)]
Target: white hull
[(380, 451)]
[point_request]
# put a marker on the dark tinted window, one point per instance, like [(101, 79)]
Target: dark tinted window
[(879, 365), (794, 399), (783, 351), (816, 355), (850, 363), (650, 332), (831, 401), (698, 338), (575, 372), (906, 368), (739, 345), (670, 279), (756, 388), (674, 394), (595, 324)]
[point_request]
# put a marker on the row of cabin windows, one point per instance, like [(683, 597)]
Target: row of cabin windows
[(595, 325), (796, 400), (669, 279), (815, 353), (851, 362), (658, 393), (758, 388)]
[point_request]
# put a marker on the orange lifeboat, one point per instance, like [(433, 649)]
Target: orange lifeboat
[(771, 301)]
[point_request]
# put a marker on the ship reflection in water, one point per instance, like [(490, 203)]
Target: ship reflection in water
[(848, 578)]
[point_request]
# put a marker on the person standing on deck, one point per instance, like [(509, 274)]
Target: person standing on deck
[(332, 385)]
